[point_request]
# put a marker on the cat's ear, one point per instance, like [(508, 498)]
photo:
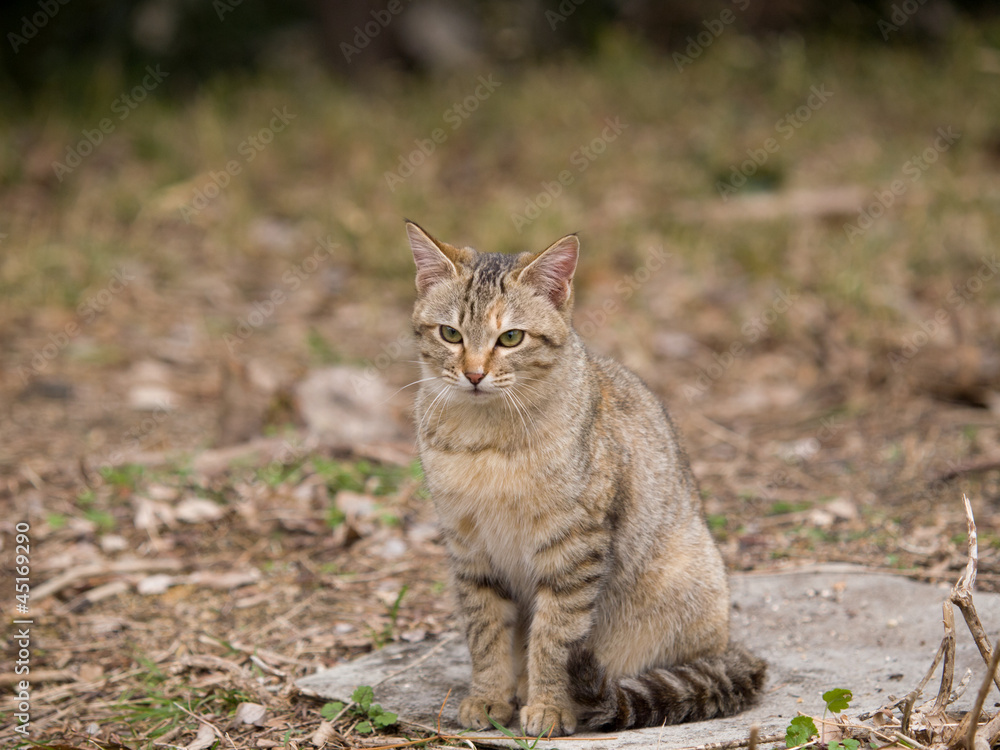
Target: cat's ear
[(551, 271), (432, 258)]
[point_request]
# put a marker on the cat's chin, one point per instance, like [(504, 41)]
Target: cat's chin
[(479, 395), (475, 395)]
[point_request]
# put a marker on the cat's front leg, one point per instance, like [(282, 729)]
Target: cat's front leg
[(490, 618), (563, 616)]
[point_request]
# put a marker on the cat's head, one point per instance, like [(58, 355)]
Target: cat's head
[(488, 321)]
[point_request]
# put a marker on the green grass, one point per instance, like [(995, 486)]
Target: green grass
[(325, 173), (364, 476)]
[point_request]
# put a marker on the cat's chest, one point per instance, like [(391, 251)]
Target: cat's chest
[(487, 481), (503, 505)]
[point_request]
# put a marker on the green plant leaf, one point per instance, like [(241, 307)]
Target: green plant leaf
[(838, 699), (364, 728), (800, 729), (847, 744), (363, 696), (388, 718), (330, 710), (506, 732)]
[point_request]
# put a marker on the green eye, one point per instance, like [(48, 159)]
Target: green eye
[(451, 335), (512, 337)]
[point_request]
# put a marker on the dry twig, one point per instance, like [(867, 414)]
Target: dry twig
[(966, 732), (961, 594), (54, 585), (948, 670)]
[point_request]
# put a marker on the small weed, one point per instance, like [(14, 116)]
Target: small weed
[(386, 635), (274, 474), (519, 741), (363, 476), (125, 477), (372, 715), (320, 349), (335, 516), (388, 518), (781, 507), (802, 729), (154, 675), (104, 521)]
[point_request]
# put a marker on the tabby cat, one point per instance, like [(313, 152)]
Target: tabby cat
[(591, 591)]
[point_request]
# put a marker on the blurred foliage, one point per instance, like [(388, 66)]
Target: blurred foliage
[(60, 45)]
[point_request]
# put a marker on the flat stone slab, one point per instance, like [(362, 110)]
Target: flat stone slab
[(826, 627)]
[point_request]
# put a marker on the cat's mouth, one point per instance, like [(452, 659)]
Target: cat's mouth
[(479, 392)]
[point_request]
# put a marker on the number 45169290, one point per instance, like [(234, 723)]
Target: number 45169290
[(22, 566)]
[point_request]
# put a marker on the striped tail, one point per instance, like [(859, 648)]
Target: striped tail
[(707, 688)]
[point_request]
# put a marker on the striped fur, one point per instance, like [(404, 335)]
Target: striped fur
[(589, 585), (706, 688)]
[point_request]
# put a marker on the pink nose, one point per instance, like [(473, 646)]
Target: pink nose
[(475, 377)]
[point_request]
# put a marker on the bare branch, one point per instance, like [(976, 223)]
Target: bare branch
[(970, 722), (961, 594), (948, 670)]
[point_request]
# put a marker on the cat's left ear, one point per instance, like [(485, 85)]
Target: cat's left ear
[(551, 271), (433, 263)]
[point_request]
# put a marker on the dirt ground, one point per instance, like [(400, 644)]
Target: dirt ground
[(193, 547)]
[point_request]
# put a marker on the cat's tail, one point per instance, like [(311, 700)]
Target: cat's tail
[(706, 688)]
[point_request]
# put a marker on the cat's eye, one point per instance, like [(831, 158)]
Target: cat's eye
[(512, 337), (451, 335)]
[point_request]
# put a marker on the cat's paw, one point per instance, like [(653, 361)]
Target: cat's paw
[(472, 712), (542, 720)]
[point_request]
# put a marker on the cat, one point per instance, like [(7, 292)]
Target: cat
[(591, 590)]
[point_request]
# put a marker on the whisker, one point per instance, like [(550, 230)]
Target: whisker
[(422, 380), (507, 403), (509, 397), (522, 410), (430, 408), (532, 388)]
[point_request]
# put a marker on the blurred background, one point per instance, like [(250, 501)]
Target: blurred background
[(789, 215)]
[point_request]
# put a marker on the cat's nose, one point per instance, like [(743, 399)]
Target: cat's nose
[(475, 377)]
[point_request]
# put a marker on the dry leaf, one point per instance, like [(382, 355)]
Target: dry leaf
[(154, 584), (230, 580), (204, 739), (322, 735), (250, 713), (414, 636), (151, 514), (91, 672), (198, 510)]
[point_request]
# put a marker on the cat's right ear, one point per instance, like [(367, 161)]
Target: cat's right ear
[(433, 264)]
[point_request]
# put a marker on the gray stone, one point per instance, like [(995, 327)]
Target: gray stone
[(347, 406), (821, 628)]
